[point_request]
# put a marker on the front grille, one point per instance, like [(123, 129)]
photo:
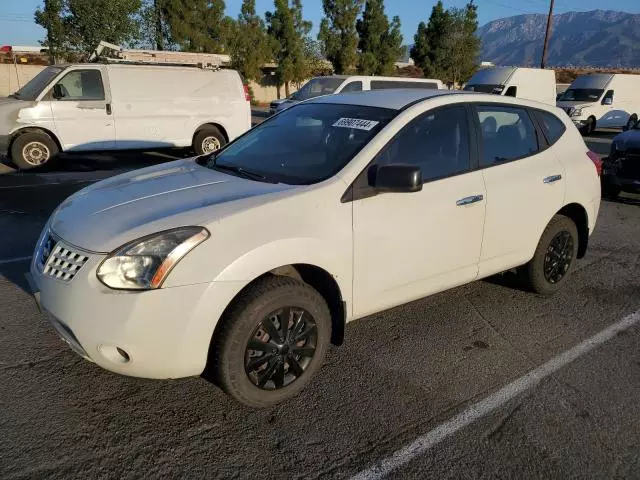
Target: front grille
[(58, 260)]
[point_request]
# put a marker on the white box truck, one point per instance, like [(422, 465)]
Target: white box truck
[(120, 106), (527, 83), (603, 100)]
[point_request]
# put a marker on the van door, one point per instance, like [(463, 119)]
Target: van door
[(525, 186), (81, 108), (612, 114)]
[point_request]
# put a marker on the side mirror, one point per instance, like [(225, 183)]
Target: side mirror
[(57, 92), (396, 178), (607, 101)]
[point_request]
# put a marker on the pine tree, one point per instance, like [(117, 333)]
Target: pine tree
[(250, 48), (155, 31), (198, 25), (338, 33), (80, 25), (461, 45), (51, 19), (289, 44), (380, 43), (429, 51)]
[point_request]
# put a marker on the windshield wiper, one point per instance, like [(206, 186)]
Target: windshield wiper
[(15, 95), (242, 172)]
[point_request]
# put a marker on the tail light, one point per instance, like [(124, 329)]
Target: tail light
[(247, 96), (597, 161)]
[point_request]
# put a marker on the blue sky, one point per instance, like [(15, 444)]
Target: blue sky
[(17, 26)]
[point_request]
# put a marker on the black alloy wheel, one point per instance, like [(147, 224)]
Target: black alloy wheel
[(281, 348), (559, 257)]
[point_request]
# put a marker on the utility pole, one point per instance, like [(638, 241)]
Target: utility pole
[(543, 64)]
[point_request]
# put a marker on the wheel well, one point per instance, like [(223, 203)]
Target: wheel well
[(323, 282), (578, 214), (17, 133), (223, 131)]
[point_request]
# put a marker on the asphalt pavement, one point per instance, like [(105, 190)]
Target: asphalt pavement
[(403, 378)]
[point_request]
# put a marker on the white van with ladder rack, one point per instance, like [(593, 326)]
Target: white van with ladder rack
[(122, 100)]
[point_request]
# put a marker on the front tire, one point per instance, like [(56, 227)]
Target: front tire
[(590, 126), (631, 123), (32, 149), (554, 258), (208, 140), (271, 342)]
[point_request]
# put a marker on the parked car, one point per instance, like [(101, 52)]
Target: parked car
[(344, 84), (621, 170), (603, 100), (245, 264), (114, 107), (526, 83)]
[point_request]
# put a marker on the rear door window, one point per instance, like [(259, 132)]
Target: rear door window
[(507, 134)]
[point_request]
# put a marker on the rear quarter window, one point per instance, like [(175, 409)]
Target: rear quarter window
[(552, 127)]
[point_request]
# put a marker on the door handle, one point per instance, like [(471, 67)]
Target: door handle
[(469, 200), (552, 179), (108, 109)]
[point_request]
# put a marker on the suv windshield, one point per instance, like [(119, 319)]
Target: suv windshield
[(37, 84), (303, 145), (582, 95), (316, 87)]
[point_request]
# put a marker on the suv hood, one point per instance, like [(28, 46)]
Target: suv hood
[(110, 213)]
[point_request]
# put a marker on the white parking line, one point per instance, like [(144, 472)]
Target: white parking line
[(14, 260), (484, 407)]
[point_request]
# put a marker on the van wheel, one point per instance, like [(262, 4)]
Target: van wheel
[(32, 149), (271, 342), (555, 256), (208, 140), (631, 123), (590, 127)]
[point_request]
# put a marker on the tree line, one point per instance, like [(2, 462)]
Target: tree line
[(355, 36)]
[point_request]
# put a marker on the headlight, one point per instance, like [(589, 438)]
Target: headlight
[(576, 112), (145, 263)]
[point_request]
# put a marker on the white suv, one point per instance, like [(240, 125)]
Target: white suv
[(244, 265)]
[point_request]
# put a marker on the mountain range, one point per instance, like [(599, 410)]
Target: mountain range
[(600, 38)]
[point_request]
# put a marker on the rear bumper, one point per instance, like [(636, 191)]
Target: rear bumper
[(631, 185)]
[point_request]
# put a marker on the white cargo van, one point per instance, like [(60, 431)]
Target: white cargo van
[(603, 100), (335, 84), (527, 83), (122, 106)]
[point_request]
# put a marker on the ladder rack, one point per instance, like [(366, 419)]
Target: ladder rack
[(110, 53)]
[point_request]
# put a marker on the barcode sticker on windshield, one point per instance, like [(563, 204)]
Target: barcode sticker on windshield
[(357, 123)]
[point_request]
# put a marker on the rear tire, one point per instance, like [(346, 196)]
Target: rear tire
[(208, 140), (610, 191), (32, 149), (256, 319), (554, 258)]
